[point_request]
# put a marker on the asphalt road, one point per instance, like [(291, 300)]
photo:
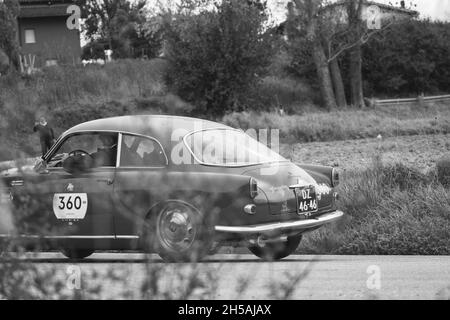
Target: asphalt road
[(245, 277)]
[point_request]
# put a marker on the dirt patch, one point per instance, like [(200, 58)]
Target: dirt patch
[(421, 152)]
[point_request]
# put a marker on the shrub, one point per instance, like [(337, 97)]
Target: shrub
[(215, 56), (68, 117), (443, 170), (168, 104), (278, 93)]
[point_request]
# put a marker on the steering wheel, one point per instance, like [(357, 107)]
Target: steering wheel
[(79, 152)]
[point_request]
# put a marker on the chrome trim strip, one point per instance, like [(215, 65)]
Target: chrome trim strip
[(68, 237), (282, 226), (119, 149), (140, 168), (127, 237)]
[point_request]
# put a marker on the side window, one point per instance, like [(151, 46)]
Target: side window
[(141, 152), (101, 146)]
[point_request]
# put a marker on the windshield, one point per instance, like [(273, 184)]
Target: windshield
[(229, 148)]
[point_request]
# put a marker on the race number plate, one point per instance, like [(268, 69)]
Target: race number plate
[(306, 200), (70, 205)]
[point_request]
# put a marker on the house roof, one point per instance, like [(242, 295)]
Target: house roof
[(40, 8), (44, 2), (380, 5)]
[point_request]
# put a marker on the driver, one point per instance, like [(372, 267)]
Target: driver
[(105, 156)]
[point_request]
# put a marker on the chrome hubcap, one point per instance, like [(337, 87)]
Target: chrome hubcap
[(176, 227)]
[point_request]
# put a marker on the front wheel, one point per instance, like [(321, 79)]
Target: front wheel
[(77, 254), (180, 232), (276, 250)]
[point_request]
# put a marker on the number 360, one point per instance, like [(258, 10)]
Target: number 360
[(69, 204)]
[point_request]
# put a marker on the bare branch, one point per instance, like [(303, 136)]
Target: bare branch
[(364, 39)]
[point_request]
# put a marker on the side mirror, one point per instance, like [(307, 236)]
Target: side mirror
[(40, 165), (78, 163)]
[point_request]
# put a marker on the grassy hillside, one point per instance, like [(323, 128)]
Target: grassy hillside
[(70, 95)]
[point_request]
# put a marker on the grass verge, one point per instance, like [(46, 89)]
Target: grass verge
[(390, 210), (348, 124)]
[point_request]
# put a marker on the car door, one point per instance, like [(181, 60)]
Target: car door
[(78, 205), (140, 182)]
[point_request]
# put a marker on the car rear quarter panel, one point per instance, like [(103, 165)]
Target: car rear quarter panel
[(218, 194)]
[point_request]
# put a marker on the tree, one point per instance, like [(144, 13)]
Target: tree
[(216, 53), (342, 31), (9, 11), (354, 11), (305, 27), (410, 59), (119, 24)]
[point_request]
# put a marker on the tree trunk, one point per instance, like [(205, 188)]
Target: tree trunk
[(354, 10), (338, 84), (323, 73), (356, 85), (4, 62)]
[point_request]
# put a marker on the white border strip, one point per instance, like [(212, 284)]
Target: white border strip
[(68, 237)]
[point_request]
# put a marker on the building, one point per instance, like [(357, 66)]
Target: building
[(376, 15), (44, 36)]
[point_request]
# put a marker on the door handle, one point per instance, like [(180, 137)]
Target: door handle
[(107, 181)]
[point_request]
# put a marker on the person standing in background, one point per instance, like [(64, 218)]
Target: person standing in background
[(46, 134)]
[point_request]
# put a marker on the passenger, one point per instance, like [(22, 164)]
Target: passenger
[(106, 155), (129, 156)]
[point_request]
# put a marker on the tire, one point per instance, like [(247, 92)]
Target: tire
[(276, 250), (77, 254), (214, 248), (179, 232)]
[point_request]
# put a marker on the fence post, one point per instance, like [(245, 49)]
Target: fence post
[(420, 100)]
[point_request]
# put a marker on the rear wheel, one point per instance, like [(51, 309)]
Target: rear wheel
[(180, 232), (77, 254), (276, 250)]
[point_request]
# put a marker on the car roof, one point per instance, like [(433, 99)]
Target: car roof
[(161, 127)]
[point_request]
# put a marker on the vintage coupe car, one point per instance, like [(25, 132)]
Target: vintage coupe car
[(177, 186)]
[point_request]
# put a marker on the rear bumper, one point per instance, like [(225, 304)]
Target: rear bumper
[(282, 227)]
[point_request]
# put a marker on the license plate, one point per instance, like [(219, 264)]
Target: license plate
[(306, 200), (70, 205)]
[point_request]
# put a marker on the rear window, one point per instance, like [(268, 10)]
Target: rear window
[(228, 147)]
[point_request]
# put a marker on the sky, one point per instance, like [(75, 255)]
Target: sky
[(434, 9)]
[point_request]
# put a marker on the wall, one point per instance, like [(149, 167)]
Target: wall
[(53, 40)]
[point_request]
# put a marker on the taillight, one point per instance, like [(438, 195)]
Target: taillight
[(253, 188), (334, 177)]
